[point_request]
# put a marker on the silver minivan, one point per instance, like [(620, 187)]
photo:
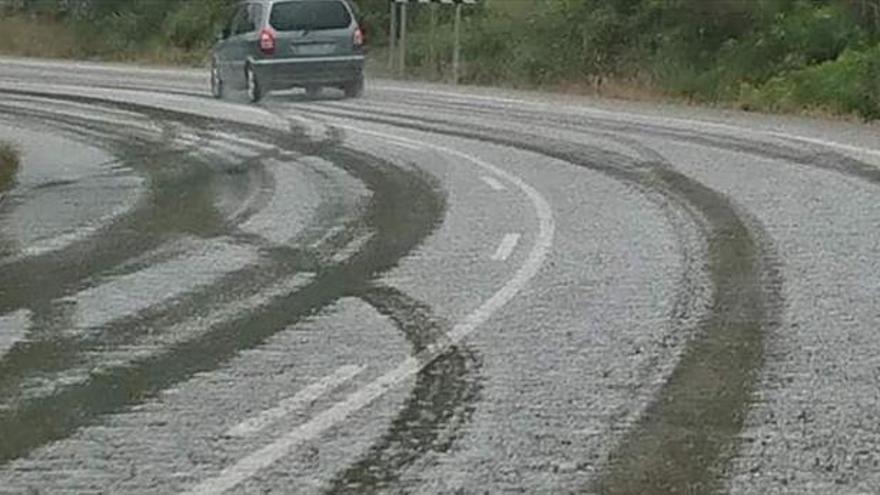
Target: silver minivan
[(281, 44)]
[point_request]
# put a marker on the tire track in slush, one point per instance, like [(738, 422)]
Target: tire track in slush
[(179, 202), (439, 405), (405, 207), (687, 435)]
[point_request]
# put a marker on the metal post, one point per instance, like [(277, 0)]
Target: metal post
[(392, 36), (402, 67), (432, 46), (456, 53)]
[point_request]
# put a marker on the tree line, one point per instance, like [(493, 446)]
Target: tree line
[(763, 54)]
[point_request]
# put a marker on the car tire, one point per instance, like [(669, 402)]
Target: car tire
[(354, 89), (216, 81), (254, 89)]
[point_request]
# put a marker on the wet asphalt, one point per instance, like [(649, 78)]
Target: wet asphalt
[(429, 290)]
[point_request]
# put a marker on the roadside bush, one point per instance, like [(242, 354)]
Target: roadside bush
[(195, 23), (850, 84)]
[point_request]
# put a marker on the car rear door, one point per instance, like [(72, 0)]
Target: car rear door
[(223, 51), (243, 41), (312, 28)]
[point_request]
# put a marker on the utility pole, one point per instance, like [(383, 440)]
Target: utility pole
[(456, 53), (398, 16), (432, 47), (392, 36), (402, 68)]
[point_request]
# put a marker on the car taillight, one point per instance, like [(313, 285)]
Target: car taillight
[(358, 37), (267, 42)]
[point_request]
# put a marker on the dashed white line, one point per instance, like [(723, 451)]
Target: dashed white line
[(493, 183), (268, 455), (13, 328), (505, 249), (298, 402)]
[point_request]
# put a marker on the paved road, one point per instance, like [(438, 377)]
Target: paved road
[(430, 290)]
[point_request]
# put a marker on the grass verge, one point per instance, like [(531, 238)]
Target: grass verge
[(22, 36), (10, 161)]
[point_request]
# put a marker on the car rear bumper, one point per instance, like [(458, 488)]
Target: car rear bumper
[(289, 72)]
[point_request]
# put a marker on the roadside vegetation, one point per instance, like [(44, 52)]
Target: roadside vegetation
[(10, 160), (769, 55)]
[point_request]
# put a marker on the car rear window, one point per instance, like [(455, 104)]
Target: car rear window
[(311, 15)]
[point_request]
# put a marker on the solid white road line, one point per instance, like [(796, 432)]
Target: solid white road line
[(297, 403), (13, 328), (493, 183), (505, 249), (268, 455)]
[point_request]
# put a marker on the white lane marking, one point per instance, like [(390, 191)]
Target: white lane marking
[(505, 249), (130, 294), (493, 183), (644, 118), (297, 403), (268, 455), (13, 328)]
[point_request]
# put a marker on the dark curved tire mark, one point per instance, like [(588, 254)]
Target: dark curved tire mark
[(440, 404), (178, 202), (405, 208), (687, 435), (797, 153), (182, 187)]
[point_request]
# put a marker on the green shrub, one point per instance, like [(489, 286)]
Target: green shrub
[(195, 23), (850, 84)]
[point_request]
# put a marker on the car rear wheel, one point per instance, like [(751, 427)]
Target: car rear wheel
[(254, 90), (216, 81), (354, 89)]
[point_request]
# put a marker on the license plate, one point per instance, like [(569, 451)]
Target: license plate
[(313, 49)]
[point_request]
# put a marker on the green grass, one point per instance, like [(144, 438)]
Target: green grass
[(10, 161), (25, 36)]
